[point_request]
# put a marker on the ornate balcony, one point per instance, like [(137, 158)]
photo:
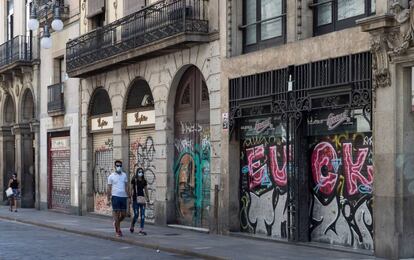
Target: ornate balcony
[(155, 30), (55, 99), (16, 53)]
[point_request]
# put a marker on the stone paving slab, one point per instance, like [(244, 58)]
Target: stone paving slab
[(174, 240)]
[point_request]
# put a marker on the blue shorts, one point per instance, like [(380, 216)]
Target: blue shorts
[(119, 203)]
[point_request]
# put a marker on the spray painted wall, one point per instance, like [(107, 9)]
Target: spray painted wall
[(263, 187), (192, 174), (142, 154), (342, 177)]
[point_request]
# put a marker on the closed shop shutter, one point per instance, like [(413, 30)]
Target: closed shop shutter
[(142, 154), (60, 173), (103, 166), (132, 6)]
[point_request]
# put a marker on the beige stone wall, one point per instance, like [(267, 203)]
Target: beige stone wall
[(162, 74)]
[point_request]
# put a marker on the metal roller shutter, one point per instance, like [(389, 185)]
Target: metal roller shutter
[(103, 166), (142, 154)]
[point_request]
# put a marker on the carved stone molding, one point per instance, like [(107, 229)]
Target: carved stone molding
[(392, 35)]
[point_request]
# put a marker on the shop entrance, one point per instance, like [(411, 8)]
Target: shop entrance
[(341, 178), (192, 150)]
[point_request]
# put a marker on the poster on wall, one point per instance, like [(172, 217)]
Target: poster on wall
[(263, 177)]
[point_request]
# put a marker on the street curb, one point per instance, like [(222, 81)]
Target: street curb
[(122, 240), (303, 244)]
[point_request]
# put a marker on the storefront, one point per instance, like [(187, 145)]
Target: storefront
[(305, 143), (59, 177), (101, 129), (140, 124)]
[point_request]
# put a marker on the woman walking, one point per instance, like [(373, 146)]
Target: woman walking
[(139, 199), (14, 185)]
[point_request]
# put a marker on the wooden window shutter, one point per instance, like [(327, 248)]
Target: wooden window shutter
[(132, 6), (95, 7)]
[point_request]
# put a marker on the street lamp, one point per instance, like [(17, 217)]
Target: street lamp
[(57, 24)]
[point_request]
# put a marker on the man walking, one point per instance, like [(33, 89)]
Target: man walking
[(117, 195)]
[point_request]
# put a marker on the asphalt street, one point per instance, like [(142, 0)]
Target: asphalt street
[(22, 241)]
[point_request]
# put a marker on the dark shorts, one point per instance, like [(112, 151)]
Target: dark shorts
[(119, 203)]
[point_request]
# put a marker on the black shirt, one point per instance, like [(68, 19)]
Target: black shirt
[(14, 184), (138, 187)]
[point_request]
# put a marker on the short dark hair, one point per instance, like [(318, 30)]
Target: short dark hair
[(118, 161)]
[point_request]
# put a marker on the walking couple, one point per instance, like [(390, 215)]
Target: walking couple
[(118, 194)]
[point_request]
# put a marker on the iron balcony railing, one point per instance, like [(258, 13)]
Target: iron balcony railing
[(152, 23), (55, 98), (18, 49)]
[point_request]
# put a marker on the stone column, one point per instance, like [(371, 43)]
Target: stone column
[(6, 157), (25, 164), (34, 127), (392, 135)]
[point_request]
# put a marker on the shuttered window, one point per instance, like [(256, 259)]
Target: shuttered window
[(95, 7), (132, 6)]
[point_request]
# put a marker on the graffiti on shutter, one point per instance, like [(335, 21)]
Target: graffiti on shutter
[(142, 154), (103, 166)]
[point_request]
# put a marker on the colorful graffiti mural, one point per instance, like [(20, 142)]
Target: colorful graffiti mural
[(192, 176), (263, 193), (142, 153), (341, 187)]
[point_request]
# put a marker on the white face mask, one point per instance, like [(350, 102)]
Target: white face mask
[(140, 174), (118, 168)]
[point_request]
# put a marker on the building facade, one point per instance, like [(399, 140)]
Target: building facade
[(59, 119), (150, 96), (309, 124), (19, 66)]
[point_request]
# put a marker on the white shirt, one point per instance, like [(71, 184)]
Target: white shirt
[(118, 182)]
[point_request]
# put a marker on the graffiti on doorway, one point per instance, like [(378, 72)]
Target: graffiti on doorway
[(142, 153), (102, 169), (264, 162), (192, 179), (341, 187)]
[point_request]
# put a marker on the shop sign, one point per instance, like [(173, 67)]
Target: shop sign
[(102, 123), (332, 121), (59, 143), (141, 118)]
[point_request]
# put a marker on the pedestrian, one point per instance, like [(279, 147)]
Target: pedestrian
[(139, 199), (118, 195), (14, 185)]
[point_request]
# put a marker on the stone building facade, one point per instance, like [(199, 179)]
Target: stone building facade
[(19, 67), (59, 102), (322, 148), (150, 96)]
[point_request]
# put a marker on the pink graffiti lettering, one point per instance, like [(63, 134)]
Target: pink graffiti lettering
[(255, 155), (322, 155), (279, 174), (352, 170)]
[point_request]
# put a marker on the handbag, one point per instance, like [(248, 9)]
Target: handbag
[(9, 192), (141, 200)]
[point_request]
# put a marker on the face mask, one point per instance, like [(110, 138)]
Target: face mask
[(140, 174), (118, 168)]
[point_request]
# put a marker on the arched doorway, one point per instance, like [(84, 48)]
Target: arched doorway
[(101, 125), (26, 155), (140, 124), (8, 142), (192, 150)]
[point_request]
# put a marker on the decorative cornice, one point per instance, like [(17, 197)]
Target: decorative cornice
[(391, 35)]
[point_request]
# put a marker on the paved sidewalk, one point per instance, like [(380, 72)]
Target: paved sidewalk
[(175, 240)]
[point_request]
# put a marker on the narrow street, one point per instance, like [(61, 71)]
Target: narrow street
[(23, 241)]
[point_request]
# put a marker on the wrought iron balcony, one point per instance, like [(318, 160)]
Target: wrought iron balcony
[(16, 52), (157, 29), (55, 99)]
